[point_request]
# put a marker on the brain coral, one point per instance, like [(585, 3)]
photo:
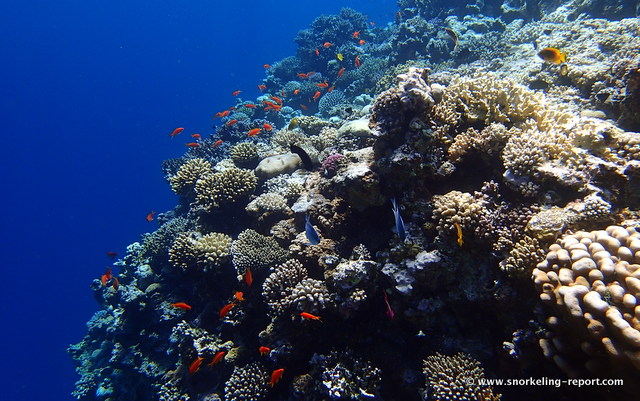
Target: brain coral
[(245, 154), (455, 378), (187, 175), (590, 282), (255, 251), (227, 186), (192, 249)]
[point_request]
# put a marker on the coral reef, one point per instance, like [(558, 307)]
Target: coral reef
[(517, 185)]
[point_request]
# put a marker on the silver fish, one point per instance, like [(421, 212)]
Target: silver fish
[(400, 229)]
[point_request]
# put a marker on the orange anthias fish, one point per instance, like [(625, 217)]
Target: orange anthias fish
[(304, 107), (239, 295), (355, 34), (296, 91), (357, 61), (226, 309), (253, 132), (192, 144), (116, 283), (302, 75), (195, 365), (236, 93), (322, 84), (552, 55), (309, 316), (106, 276), (276, 376), (361, 42), (250, 106), (248, 277), (264, 350), (268, 127), (262, 88), (176, 131), (231, 122), (225, 113), (372, 23), (459, 232), (317, 52), (327, 44), (196, 136), (341, 72), (266, 66), (150, 216), (310, 73), (112, 255), (181, 305), (218, 357), (316, 95), (276, 99), (331, 89), (217, 143)]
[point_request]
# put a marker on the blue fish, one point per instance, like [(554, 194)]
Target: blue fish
[(312, 234), (400, 230)]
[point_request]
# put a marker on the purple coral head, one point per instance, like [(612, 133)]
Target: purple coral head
[(332, 163)]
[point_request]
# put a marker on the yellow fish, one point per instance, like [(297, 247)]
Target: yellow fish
[(292, 124), (552, 55), (339, 56), (459, 230)]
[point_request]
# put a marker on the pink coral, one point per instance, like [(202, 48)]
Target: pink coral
[(332, 163)]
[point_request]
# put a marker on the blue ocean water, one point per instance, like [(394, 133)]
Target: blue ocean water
[(89, 91)]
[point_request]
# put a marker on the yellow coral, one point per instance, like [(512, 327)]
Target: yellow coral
[(224, 187), (185, 178)]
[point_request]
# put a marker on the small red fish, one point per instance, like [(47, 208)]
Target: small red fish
[(192, 144), (372, 23), (296, 91), (217, 358), (283, 93), (276, 99), (389, 311), (268, 127), (331, 89), (176, 131), (304, 107), (195, 365), (250, 106), (264, 350), (322, 84), (231, 122), (262, 88), (150, 216), (225, 113), (116, 283), (253, 132), (196, 136), (226, 309), (181, 305), (355, 34), (357, 61), (361, 42), (316, 95), (309, 316), (239, 295), (341, 72), (310, 73), (112, 255), (248, 277), (302, 75), (276, 376), (317, 52), (266, 66), (235, 93), (217, 143), (106, 276), (327, 44)]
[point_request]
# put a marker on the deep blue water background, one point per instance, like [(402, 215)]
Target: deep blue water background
[(89, 91)]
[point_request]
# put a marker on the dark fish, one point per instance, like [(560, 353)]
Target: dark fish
[(312, 234), (306, 160), (400, 230)]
